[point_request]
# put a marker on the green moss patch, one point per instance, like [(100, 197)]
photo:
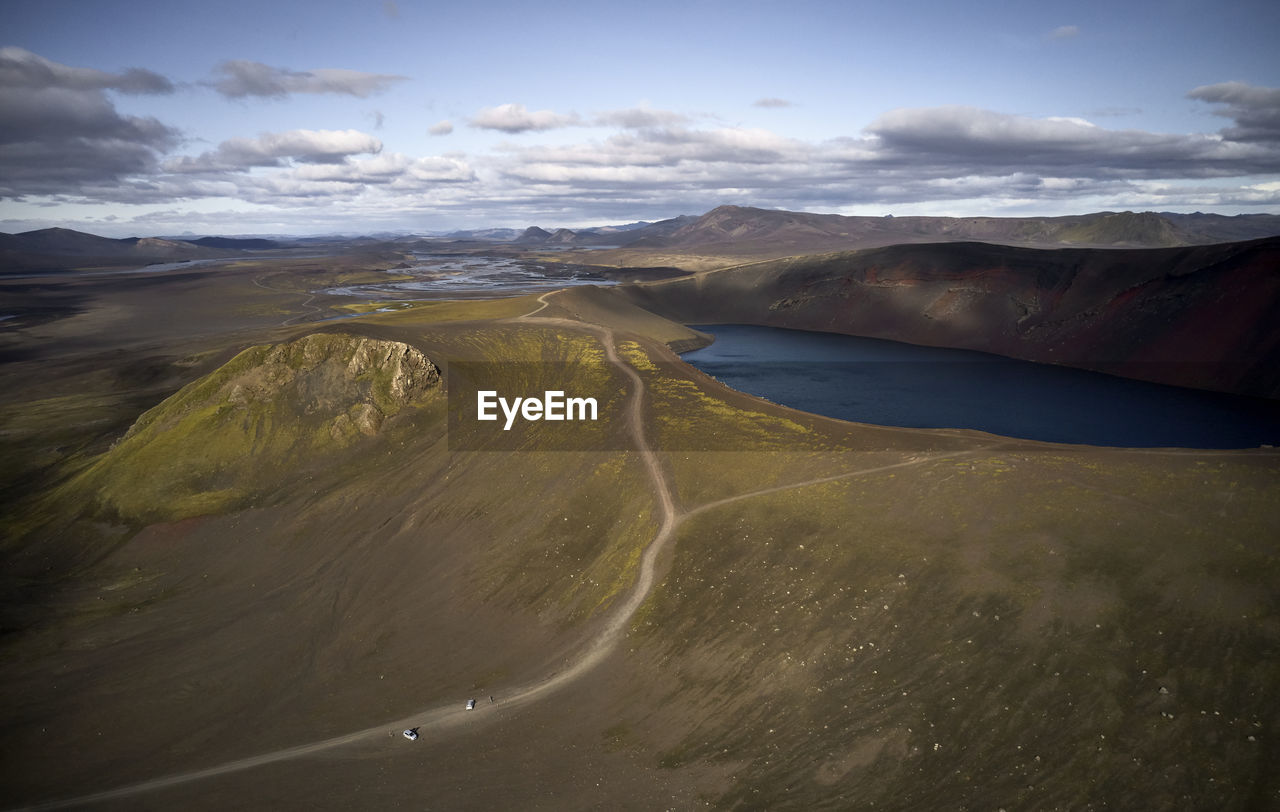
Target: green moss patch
[(271, 411)]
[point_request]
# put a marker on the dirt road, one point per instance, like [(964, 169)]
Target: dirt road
[(440, 719)]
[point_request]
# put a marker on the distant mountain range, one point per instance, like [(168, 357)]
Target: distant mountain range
[(746, 231), (534, 235), (604, 235), (724, 231), (749, 231)]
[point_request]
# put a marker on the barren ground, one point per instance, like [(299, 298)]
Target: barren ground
[(837, 616)]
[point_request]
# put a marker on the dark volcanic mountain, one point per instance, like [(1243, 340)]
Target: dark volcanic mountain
[(245, 244), (62, 241), (662, 229), (1200, 316), (533, 235), (55, 248)]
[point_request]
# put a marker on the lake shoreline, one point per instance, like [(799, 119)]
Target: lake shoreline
[(882, 382)]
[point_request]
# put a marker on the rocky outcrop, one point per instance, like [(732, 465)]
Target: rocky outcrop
[(269, 413), (349, 382)]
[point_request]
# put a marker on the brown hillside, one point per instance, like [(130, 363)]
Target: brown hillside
[(745, 232), (1200, 316)]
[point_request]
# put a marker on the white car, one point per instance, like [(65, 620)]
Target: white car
[(471, 704), (411, 734)]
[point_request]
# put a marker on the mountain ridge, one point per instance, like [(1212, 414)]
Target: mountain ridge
[(727, 230), (741, 229)]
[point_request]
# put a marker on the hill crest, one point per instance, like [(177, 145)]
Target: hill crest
[(744, 230)]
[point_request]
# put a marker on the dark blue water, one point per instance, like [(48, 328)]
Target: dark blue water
[(888, 383)]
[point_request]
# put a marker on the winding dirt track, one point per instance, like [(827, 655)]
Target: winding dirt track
[(313, 309), (439, 719)]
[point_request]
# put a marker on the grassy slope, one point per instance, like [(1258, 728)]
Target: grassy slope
[(261, 419), (502, 584), (985, 630)]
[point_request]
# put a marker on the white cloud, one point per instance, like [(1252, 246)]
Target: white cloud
[(966, 156), (390, 168), (957, 127), (277, 149), (1065, 32), (771, 102), (958, 139), (514, 118), (63, 140), (958, 156), (635, 118)]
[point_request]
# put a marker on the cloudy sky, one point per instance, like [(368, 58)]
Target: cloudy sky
[(352, 116)]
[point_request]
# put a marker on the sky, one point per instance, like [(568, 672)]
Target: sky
[(368, 116)]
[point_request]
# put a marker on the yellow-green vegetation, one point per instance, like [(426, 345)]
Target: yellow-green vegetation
[(376, 307), (520, 359), (444, 312), (607, 306), (686, 415), (270, 411), (511, 342)]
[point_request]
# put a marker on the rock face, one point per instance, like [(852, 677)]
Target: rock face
[(270, 412), (348, 380)]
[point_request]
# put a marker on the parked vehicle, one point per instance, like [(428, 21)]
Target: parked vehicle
[(471, 704), (411, 734)]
